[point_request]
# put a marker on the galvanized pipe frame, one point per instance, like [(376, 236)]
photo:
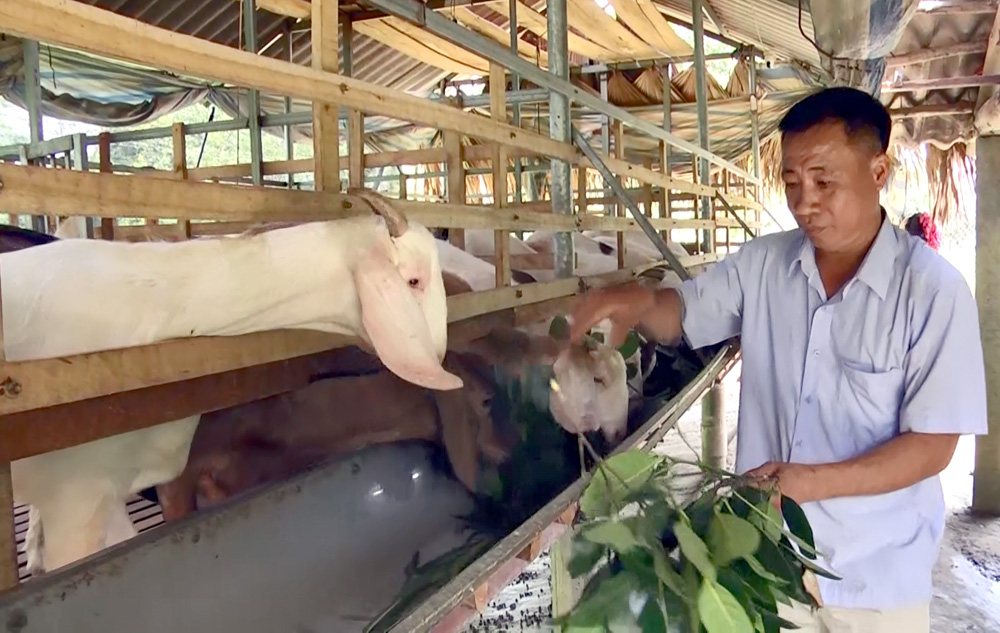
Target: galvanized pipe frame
[(450, 596)]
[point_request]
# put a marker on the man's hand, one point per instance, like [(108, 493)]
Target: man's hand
[(628, 306), (798, 481), (899, 463)]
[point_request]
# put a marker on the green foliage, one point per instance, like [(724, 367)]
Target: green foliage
[(719, 563)]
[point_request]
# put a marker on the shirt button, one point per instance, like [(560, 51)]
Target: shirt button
[(809, 400), (816, 352)]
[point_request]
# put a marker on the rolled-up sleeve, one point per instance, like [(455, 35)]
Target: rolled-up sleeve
[(713, 300), (945, 383)]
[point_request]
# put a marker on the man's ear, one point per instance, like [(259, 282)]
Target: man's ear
[(880, 169)]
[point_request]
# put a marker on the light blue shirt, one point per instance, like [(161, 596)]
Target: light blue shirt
[(825, 380)]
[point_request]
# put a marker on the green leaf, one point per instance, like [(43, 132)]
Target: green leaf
[(798, 524), (633, 467), (694, 549), (770, 523), (760, 571), (701, 511), (667, 574), (730, 537), (720, 611), (559, 328), (816, 569), (614, 534), (609, 599), (584, 556), (776, 624), (630, 345), (652, 618)]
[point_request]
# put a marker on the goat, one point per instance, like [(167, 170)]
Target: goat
[(591, 388), (246, 446), (375, 277), (243, 447)]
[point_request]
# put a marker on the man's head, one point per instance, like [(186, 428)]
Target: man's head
[(834, 164)]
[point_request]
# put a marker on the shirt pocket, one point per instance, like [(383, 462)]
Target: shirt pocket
[(869, 400)]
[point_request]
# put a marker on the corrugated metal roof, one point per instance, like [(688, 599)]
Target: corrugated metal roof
[(219, 21), (771, 25)]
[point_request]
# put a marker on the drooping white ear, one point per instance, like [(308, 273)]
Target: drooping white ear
[(393, 321)]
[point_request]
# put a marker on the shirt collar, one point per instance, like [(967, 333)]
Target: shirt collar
[(876, 269)]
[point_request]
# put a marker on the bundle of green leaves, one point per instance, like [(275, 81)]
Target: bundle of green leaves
[(720, 563)]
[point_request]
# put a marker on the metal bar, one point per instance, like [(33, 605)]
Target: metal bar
[(413, 11), (633, 208), (33, 90), (287, 128), (729, 209), (560, 128), (515, 86), (701, 96), (253, 96), (754, 123)]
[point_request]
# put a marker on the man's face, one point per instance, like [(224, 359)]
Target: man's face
[(832, 184)]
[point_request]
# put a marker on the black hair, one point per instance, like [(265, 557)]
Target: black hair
[(860, 113)]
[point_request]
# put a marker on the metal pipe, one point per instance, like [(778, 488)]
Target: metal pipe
[(415, 12), (560, 129), (33, 91), (287, 128), (754, 124), (633, 208), (253, 96), (515, 85), (701, 95)]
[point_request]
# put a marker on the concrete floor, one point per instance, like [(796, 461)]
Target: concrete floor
[(966, 578)]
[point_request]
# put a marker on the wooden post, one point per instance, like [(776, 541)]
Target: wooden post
[(326, 134), (620, 210), (104, 157), (456, 179), (180, 165), (8, 541), (713, 426), (581, 189), (356, 148), (986, 476), (501, 237)]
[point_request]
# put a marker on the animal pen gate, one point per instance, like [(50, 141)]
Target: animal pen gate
[(53, 404)]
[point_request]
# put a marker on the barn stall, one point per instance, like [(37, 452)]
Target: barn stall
[(264, 546)]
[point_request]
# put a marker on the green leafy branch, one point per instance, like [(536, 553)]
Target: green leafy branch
[(720, 563)]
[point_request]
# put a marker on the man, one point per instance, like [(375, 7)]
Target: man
[(862, 364)]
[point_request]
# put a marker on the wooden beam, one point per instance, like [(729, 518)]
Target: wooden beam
[(501, 237), (455, 163), (105, 33), (180, 166), (104, 164), (932, 54), (299, 9), (46, 384), (8, 542), (325, 112), (38, 190)]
